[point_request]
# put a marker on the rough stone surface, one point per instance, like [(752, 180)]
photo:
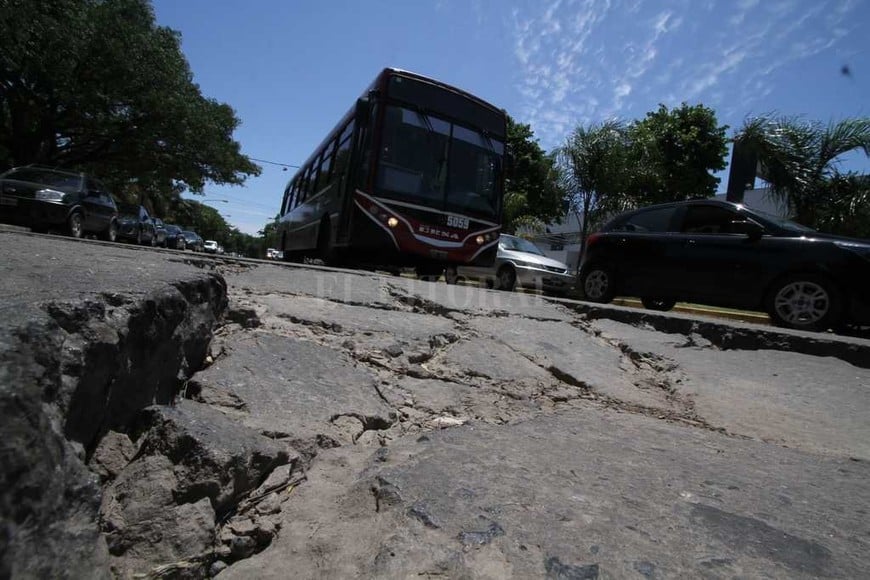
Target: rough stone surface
[(296, 390), (815, 403), (145, 525), (608, 492), (213, 455), (441, 431), (90, 334), (113, 454)]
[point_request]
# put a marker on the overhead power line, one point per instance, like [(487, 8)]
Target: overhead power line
[(284, 165)]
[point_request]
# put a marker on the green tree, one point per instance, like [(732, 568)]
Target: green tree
[(674, 153), (594, 163), (269, 233), (96, 85), (533, 196), (800, 161)]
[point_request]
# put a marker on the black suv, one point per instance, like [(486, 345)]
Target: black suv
[(135, 225), (725, 254), (42, 198)]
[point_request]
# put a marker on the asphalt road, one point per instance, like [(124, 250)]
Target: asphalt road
[(451, 431)]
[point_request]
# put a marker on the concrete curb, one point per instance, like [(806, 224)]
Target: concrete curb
[(732, 335)]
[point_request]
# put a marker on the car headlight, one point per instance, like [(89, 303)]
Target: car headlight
[(49, 195), (524, 264)]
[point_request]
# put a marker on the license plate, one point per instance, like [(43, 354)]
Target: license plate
[(8, 200), (457, 221)]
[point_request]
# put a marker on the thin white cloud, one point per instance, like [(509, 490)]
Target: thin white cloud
[(586, 60)]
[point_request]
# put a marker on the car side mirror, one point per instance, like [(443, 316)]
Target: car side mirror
[(748, 228)]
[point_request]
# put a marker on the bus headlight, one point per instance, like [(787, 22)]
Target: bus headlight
[(392, 222)]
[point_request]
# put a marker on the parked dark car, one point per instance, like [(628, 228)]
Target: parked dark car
[(135, 225), (42, 198), (724, 254), (174, 237), (192, 240), (159, 231)]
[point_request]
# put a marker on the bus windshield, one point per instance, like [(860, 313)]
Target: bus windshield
[(428, 160)]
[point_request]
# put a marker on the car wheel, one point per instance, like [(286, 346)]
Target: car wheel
[(660, 304), (451, 276), (805, 302), (506, 278), (75, 224), (111, 232), (598, 284)]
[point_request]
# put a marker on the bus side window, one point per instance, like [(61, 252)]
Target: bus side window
[(285, 203), (325, 166), (303, 187), (342, 155), (294, 194)]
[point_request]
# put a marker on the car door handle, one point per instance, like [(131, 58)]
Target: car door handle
[(689, 242)]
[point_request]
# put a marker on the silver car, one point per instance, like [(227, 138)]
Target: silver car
[(520, 262)]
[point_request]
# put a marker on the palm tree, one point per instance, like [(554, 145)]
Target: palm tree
[(592, 165), (800, 162)]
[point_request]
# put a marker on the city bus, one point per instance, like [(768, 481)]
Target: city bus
[(412, 176)]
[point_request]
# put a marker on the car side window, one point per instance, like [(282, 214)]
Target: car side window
[(653, 220), (93, 187), (708, 219)]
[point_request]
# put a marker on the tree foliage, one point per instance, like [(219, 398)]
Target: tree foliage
[(673, 153), (667, 156), (97, 85), (532, 193), (593, 167), (800, 160)]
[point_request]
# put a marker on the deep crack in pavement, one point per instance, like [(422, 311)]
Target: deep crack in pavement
[(350, 424)]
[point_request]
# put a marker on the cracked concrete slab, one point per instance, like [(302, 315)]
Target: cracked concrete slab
[(578, 355), (292, 389), (351, 320), (488, 359), (572, 491), (815, 403), (460, 432)]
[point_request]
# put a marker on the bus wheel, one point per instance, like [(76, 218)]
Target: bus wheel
[(293, 257)]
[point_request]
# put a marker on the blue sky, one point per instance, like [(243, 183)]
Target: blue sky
[(291, 68)]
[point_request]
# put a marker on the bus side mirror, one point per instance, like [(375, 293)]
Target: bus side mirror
[(363, 112)]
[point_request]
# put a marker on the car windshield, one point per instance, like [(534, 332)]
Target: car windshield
[(519, 245), (431, 161), (61, 181), (172, 229)]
